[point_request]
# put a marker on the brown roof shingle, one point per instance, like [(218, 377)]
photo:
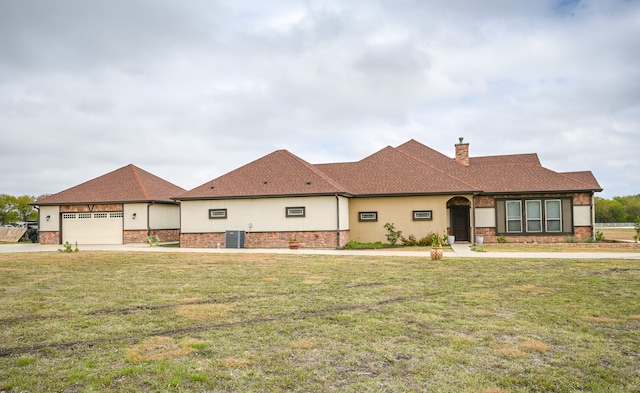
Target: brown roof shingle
[(127, 184), (276, 174), (411, 168)]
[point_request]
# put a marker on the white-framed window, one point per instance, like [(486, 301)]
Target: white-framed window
[(217, 213), (534, 215), (514, 216), (68, 216), (553, 219), (298, 211), (422, 215), (84, 215), (116, 215), (100, 215), (367, 216)]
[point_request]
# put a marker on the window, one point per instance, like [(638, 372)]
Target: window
[(368, 216), (553, 209), (68, 216), (534, 216), (421, 215), (84, 215), (514, 216), (116, 215), (100, 215), (217, 213), (295, 212)]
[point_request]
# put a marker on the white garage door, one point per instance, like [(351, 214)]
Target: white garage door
[(92, 228)]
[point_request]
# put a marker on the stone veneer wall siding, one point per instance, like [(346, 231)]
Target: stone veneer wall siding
[(140, 236), (49, 237), (114, 207), (314, 239)]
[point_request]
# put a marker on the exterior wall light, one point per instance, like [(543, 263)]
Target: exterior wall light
[(48, 217), (133, 216)]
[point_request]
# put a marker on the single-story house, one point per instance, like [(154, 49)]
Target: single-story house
[(123, 206), (280, 196)]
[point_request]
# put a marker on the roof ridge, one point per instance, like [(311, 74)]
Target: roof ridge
[(318, 172), (440, 170), (138, 181)]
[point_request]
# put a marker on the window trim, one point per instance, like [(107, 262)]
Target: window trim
[(290, 208), (427, 212), (513, 218), (546, 218), (216, 217), (535, 219), (373, 219)]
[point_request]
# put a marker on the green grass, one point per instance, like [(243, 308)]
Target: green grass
[(129, 322)]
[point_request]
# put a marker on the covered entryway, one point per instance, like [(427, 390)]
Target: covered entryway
[(459, 218), (92, 228)]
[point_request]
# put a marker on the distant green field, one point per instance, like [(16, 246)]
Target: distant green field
[(125, 322)]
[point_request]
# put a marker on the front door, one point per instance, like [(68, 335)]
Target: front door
[(460, 223)]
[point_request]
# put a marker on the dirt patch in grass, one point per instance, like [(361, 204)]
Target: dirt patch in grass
[(303, 344), (159, 348), (204, 312), (533, 345)]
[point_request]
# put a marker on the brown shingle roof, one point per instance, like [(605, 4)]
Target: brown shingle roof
[(127, 184), (276, 174), (505, 173), (411, 168), (390, 171)]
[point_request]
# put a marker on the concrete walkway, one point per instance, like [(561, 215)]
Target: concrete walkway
[(459, 251)]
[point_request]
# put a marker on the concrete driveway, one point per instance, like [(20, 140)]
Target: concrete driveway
[(459, 251)]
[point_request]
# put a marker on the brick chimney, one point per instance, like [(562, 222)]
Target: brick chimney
[(462, 152)]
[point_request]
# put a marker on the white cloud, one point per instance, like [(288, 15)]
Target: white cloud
[(191, 90)]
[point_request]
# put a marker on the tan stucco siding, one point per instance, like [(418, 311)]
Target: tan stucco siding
[(53, 224), (485, 217), (399, 211), (265, 215), (164, 216), (140, 220), (582, 216)]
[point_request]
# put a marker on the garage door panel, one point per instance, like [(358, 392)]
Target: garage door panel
[(92, 228)]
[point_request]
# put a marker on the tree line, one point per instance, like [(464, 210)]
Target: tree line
[(618, 209), (17, 208)]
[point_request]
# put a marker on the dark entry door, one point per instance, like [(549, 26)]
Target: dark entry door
[(460, 223)]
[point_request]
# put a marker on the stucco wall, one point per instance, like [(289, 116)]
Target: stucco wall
[(53, 223), (161, 216), (399, 211), (265, 215)]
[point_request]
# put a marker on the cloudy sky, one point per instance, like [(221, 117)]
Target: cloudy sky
[(189, 90)]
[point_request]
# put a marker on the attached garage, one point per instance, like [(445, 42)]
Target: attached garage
[(92, 228), (120, 207)]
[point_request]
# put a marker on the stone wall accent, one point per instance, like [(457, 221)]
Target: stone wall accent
[(113, 207), (201, 240), (140, 236), (49, 237), (582, 199), (485, 201), (313, 239)]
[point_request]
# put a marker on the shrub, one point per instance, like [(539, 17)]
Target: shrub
[(599, 236), (392, 234), (410, 241), (502, 239), (426, 241)]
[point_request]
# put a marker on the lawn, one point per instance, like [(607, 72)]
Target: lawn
[(125, 322)]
